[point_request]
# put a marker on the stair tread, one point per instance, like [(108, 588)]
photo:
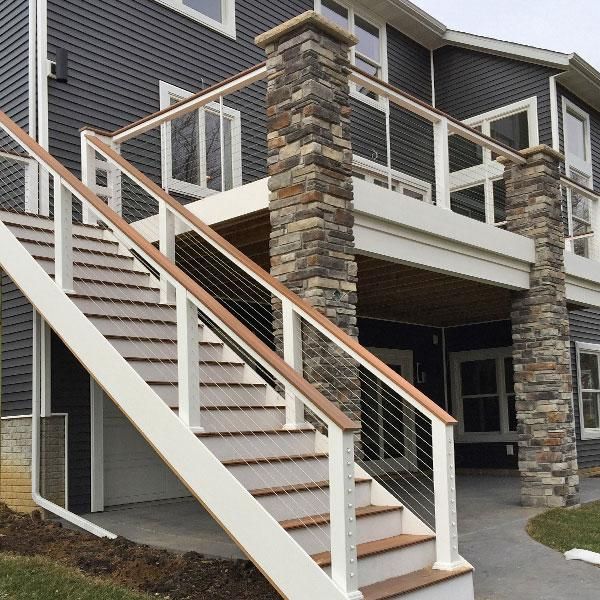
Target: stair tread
[(417, 580), (315, 520), (152, 359), (162, 340), (166, 321), (38, 217), (396, 542), (209, 434), (23, 238), (211, 384), (299, 487), (265, 459), (96, 266), (125, 301)]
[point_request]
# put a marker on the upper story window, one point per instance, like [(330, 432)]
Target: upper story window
[(370, 53), (476, 178), (578, 166), (588, 385), (216, 14), (199, 156)]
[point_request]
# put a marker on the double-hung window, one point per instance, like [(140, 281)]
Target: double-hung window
[(578, 166), (370, 53), (588, 385), (483, 394), (216, 14), (199, 157), (476, 178)]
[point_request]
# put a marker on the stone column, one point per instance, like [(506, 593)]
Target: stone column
[(310, 181), (541, 340)]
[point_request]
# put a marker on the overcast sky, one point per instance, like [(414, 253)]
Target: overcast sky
[(563, 25)]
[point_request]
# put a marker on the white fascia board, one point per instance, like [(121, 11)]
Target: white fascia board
[(582, 280), (401, 229)]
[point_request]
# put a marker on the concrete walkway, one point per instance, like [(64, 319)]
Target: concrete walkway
[(509, 565)]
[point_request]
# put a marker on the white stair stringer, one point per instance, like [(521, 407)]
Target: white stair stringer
[(281, 559)]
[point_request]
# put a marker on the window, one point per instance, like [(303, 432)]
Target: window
[(375, 173), (588, 385), (476, 178), (370, 53), (484, 395), (578, 166), (216, 14), (194, 163)]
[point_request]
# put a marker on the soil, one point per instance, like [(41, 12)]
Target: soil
[(163, 574)]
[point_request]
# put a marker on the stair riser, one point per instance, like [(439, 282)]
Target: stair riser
[(79, 243), (278, 474), (105, 260), (217, 396), (241, 420), (376, 527), (395, 563), (167, 351), (309, 502), (24, 221), (115, 326), (137, 279), (121, 309), (152, 371), (257, 445), (459, 588)]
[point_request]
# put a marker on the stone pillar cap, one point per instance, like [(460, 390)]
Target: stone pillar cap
[(540, 149), (310, 17)]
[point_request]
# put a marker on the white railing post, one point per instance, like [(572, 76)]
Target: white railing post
[(63, 236), (188, 361), (444, 487), (32, 187), (88, 176), (442, 163), (342, 509), (113, 182), (166, 244), (292, 354)]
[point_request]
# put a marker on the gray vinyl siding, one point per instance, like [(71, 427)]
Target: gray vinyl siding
[(585, 327), (14, 60), (17, 331), (468, 83)]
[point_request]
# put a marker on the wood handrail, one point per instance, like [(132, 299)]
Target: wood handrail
[(302, 306), (578, 187), (335, 414)]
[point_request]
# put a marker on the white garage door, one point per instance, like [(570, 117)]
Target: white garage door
[(133, 472)]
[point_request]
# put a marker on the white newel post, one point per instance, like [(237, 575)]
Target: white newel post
[(342, 508), (32, 187), (63, 236), (292, 354), (444, 484), (188, 361), (166, 244), (113, 181), (442, 163), (88, 176)]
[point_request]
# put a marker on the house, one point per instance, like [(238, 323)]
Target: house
[(428, 224)]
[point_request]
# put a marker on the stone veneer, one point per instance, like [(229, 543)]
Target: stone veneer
[(310, 184), (540, 331)]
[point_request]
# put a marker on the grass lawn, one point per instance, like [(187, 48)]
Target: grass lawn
[(25, 578), (564, 529)]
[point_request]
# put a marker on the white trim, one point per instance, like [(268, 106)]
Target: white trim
[(554, 113), (432, 71), (97, 443), (168, 91), (32, 69), (586, 433), (456, 359), (226, 27), (43, 134), (583, 166)]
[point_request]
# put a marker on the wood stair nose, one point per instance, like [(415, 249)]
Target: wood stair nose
[(316, 520), (298, 487), (273, 459), (254, 432), (417, 580), (397, 542)]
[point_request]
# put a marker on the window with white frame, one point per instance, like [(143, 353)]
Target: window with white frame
[(216, 14), (370, 53), (402, 183), (588, 385), (476, 178), (199, 156), (483, 394), (578, 166)]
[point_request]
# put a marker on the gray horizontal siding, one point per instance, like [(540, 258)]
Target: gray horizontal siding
[(585, 327), (17, 331), (468, 83), (14, 60)]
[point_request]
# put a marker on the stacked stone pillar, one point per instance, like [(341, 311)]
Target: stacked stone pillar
[(310, 183), (541, 341)]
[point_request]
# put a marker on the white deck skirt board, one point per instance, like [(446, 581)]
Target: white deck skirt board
[(402, 229), (583, 280), (240, 201)]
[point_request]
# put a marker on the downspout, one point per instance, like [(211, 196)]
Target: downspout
[(43, 136), (33, 70), (37, 374)]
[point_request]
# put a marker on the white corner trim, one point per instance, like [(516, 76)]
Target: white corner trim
[(432, 71), (554, 113), (227, 27)]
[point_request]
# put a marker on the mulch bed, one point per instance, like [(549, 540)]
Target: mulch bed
[(161, 573)]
